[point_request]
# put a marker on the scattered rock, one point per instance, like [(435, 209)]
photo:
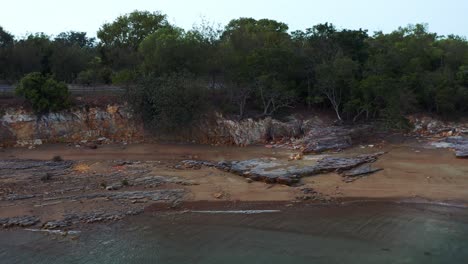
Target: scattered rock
[(458, 143), (431, 127)]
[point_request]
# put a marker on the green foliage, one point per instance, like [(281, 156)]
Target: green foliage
[(125, 182), (255, 67), (43, 92), (131, 29), (6, 39), (124, 77), (259, 62), (169, 103)]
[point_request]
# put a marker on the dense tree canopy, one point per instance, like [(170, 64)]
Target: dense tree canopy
[(256, 67), (120, 40)]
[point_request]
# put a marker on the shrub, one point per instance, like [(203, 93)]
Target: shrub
[(125, 182), (44, 93), (46, 177), (103, 185), (57, 158)]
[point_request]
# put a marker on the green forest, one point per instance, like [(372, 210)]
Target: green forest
[(252, 68)]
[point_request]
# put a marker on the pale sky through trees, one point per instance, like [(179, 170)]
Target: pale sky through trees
[(54, 16)]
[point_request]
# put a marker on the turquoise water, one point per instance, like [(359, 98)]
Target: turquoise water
[(366, 233)]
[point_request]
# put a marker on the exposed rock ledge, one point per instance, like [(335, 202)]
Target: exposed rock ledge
[(274, 171)]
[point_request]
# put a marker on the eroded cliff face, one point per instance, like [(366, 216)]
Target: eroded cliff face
[(249, 131), (114, 122)]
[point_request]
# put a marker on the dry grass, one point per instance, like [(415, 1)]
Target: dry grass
[(81, 168)]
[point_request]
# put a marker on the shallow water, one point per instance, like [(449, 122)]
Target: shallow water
[(358, 233)]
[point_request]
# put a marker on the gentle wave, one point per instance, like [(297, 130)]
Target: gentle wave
[(56, 232)]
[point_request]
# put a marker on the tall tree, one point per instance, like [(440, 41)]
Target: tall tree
[(120, 39), (258, 55)]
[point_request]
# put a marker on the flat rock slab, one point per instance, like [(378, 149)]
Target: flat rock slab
[(274, 171), (32, 167), (20, 221)]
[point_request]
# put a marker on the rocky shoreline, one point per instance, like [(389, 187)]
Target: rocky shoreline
[(58, 194)]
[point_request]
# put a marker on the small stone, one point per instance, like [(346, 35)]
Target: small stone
[(248, 180), (218, 195), (91, 145), (113, 187)]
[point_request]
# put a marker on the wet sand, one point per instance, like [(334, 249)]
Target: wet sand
[(410, 170)]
